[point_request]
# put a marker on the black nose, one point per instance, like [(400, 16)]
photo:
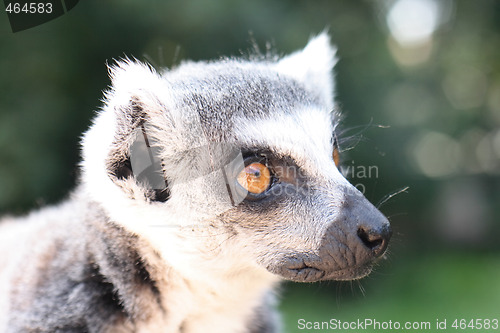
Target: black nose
[(375, 238)]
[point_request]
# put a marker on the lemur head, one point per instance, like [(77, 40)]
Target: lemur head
[(231, 166)]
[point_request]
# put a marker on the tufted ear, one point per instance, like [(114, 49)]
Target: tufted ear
[(313, 66), (118, 147)]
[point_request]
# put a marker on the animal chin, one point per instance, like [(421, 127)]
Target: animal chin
[(304, 273), (350, 273)]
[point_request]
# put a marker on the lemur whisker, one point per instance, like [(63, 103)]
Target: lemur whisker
[(361, 288), (391, 195), (345, 137)]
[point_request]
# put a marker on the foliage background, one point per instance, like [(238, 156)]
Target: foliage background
[(440, 99)]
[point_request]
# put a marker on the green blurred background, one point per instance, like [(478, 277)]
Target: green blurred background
[(418, 83)]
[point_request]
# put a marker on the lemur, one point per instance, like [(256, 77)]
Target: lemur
[(201, 188)]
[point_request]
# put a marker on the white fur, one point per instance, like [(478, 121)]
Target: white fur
[(218, 298), (214, 285), (313, 66), (176, 228), (305, 135)]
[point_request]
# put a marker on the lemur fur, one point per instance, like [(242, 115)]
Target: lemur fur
[(164, 234)]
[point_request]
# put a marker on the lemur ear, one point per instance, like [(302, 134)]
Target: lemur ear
[(119, 144), (133, 80), (313, 66)]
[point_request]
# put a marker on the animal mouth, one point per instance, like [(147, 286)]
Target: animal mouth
[(301, 272), (300, 268)]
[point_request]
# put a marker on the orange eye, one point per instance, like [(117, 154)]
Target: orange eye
[(336, 156), (255, 178)]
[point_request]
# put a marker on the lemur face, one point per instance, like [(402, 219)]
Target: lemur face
[(304, 219), (236, 160)]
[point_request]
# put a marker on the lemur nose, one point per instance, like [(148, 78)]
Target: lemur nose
[(375, 238)]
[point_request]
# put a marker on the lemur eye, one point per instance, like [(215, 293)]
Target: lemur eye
[(255, 178), (336, 156)]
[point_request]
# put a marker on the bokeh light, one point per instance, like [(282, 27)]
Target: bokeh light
[(413, 22)]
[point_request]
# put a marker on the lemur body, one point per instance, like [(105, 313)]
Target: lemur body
[(242, 192)]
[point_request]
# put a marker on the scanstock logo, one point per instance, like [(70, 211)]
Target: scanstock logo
[(28, 14)]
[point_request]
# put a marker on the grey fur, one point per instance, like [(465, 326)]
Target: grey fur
[(181, 247)]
